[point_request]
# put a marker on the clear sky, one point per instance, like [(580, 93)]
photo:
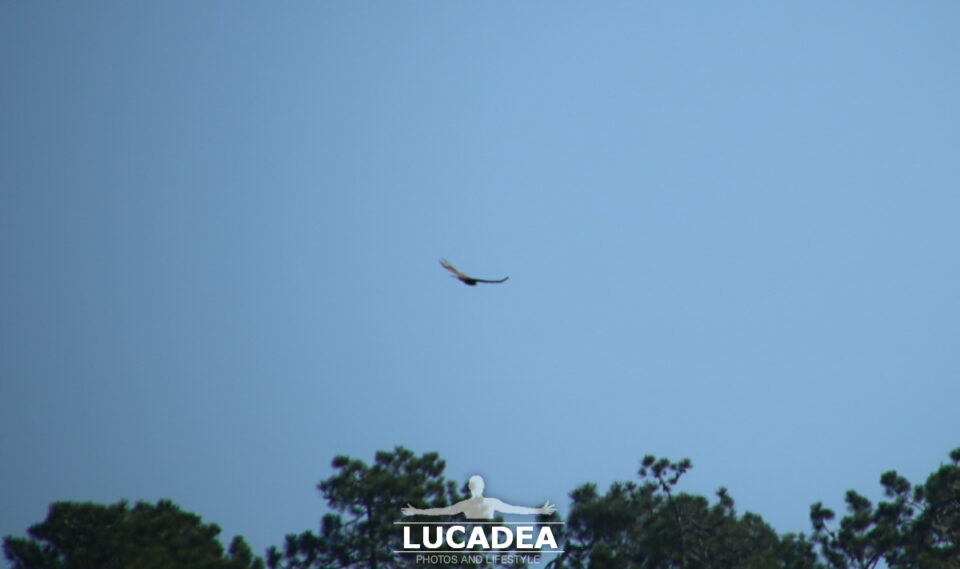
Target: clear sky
[(731, 230)]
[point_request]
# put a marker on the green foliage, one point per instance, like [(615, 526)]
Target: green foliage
[(917, 527), (147, 536), (644, 524), (368, 500), (649, 525)]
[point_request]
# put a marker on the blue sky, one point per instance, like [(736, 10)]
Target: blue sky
[(730, 229)]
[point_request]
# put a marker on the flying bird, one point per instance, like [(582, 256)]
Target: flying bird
[(469, 281)]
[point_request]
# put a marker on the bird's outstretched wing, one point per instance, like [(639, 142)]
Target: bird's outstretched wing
[(465, 279), (446, 265)]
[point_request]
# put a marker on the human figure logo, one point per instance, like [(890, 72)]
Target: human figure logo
[(479, 507), (493, 542)]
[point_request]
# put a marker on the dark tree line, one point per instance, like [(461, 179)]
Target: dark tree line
[(917, 526), (146, 536), (647, 523), (365, 502)]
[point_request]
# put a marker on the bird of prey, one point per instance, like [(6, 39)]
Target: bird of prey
[(469, 281)]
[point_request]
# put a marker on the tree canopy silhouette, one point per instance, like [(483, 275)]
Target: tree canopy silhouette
[(161, 536), (367, 500), (642, 524), (649, 524), (919, 526)]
